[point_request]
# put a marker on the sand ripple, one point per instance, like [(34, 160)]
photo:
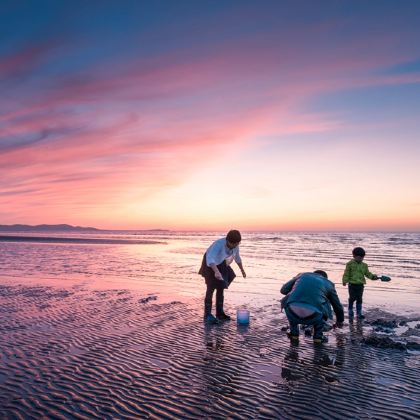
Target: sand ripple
[(114, 354)]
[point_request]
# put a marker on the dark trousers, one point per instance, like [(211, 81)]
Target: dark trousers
[(316, 320), (209, 299), (213, 284), (355, 294)]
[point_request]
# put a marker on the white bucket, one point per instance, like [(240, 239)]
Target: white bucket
[(242, 316)]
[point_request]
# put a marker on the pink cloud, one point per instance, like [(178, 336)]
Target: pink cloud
[(22, 61), (151, 123)]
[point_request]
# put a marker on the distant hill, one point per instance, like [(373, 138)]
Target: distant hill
[(46, 228)]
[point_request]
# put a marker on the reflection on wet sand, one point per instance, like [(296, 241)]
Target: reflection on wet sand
[(119, 354), (223, 368)]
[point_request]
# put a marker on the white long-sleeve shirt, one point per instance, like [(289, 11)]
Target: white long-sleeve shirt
[(218, 251)]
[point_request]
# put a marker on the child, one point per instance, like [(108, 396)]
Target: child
[(218, 274), (354, 274)]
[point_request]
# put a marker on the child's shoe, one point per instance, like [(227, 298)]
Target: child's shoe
[(351, 313), (359, 311)]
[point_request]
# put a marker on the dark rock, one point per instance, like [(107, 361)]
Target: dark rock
[(147, 299), (382, 329), (413, 346), (287, 374), (330, 378), (411, 332), (325, 360), (383, 342), (384, 323)]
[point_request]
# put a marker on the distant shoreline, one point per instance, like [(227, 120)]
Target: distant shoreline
[(50, 239), (66, 228)]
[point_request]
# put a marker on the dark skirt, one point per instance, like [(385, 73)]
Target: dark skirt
[(225, 270)]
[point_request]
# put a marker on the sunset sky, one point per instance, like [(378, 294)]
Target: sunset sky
[(271, 115)]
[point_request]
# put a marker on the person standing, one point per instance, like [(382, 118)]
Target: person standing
[(218, 274), (354, 275)]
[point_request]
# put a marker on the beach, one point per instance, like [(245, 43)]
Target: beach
[(154, 153), (77, 343)]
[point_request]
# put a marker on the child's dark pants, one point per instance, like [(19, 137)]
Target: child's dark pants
[(355, 294)]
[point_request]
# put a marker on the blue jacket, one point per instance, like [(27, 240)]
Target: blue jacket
[(315, 291)]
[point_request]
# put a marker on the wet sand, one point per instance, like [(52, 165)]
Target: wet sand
[(81, 353)]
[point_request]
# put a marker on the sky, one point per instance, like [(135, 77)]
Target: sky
[(211, 115)]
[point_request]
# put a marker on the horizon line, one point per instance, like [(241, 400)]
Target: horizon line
[(309, 230)]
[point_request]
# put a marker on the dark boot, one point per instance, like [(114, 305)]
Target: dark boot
[(351, 313), (221, 314), (207, 308), (219, 303), (210, 319), (359, 311), (321, 340), (208, 301), (292, 338)]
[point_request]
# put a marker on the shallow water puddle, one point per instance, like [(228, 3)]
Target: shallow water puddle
[(73, 350), (269, 372), (159, 363), (380, 380)]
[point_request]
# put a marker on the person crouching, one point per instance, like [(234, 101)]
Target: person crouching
[(308, 301)]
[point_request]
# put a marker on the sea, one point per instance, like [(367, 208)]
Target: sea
[(165, 264)]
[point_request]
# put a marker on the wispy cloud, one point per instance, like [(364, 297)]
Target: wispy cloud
[(95, 132)]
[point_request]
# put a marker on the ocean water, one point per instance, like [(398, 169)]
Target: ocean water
[(165, 264)]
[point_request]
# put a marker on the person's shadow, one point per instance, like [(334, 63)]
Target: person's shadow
[(325, 364), (213, 337), (356, 331), (222, 360)]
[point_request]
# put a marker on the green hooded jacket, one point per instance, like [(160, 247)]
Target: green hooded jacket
[(355, 273)]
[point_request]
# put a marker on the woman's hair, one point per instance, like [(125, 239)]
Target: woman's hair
[(233, 236)]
